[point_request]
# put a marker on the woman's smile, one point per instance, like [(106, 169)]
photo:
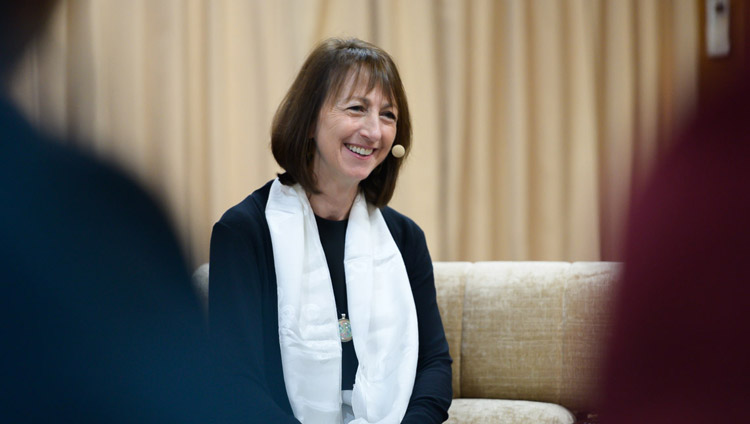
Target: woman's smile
[(360, 151)]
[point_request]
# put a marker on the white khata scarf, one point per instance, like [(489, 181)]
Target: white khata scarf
[(381, 310)]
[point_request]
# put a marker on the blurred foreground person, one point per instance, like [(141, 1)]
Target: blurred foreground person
[(681, 345), (99, 322)]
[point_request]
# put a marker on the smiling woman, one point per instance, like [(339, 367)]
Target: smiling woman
[(322, 298)]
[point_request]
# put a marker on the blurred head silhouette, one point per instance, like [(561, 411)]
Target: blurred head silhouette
[(19, 22)]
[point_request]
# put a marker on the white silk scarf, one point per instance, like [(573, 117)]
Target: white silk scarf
[(381, 310)]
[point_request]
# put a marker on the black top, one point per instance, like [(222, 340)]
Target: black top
[(243, 309), (332, 238)]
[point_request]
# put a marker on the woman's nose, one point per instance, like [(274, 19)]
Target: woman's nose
[(371, 127)]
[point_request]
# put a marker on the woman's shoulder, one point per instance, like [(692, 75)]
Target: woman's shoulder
[(250, 212), (403, 229), (411, 242)]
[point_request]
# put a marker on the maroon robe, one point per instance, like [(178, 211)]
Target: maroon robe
[(680, 348)]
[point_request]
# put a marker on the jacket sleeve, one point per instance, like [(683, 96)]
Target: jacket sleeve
[(237, 329), (432, 392)]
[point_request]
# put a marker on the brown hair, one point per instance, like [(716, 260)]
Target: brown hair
[(322, 76)]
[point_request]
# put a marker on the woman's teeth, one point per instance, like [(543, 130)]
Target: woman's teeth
[(359, 150)]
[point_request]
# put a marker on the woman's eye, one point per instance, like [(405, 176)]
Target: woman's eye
[(357, 108), (390, 115)]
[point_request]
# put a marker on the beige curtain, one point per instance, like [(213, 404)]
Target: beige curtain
[(532, 118)]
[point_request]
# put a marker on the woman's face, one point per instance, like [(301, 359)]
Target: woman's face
[(353, 135)]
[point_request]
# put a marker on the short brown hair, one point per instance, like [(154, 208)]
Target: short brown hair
[(322, 76)]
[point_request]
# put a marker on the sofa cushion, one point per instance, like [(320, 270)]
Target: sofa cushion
[(512, 331), (482, 411)]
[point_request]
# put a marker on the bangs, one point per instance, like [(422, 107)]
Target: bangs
[(369, 72)]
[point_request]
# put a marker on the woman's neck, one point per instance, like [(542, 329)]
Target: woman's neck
[(333, 202)]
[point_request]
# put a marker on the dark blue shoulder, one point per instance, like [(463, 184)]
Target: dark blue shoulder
[(251, 210), (404, 230)]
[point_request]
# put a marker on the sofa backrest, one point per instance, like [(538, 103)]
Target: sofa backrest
[(526, 330)]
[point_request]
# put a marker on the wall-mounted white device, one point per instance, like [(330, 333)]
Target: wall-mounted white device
[(717, 28)]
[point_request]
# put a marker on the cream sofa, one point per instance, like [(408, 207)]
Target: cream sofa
[(525, 337)]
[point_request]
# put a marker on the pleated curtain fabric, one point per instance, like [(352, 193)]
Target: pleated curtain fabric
[(533, 119)]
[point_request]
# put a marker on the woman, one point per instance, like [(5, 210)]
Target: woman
[(322, 299)]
